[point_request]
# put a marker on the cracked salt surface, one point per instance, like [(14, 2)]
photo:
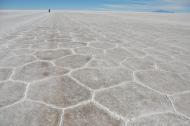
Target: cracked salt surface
[(65, 69)]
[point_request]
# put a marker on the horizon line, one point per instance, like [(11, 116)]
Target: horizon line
[(156, 11)]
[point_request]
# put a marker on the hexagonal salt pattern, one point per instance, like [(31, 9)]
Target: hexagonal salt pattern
[(116, 54), (11, 92), (181, 103), (176, 67), (102, 77), (52, 54), (94, 69), (15, 61), (37, 70), (102, 45), (29, 114), (165, 119), (5, 73), (160, 56), (102, 63), (132, 100), (59, 91), (89, 115), (74, 61), (146, 63), (136, 52), (22, 51), (44, 45), (72, 44), (89, 51), (165, 82)]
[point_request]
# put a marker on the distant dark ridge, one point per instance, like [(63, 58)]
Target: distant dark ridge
[(163, 11)]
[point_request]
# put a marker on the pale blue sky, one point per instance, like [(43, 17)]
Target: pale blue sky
[(117, 5)]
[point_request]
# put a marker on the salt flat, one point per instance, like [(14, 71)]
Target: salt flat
[(94, 69)]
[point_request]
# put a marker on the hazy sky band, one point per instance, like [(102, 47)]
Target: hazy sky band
[(121, 5)]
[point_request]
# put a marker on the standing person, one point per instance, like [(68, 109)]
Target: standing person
[(49, 10)]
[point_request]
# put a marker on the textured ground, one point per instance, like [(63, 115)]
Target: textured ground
[(94, 69)]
